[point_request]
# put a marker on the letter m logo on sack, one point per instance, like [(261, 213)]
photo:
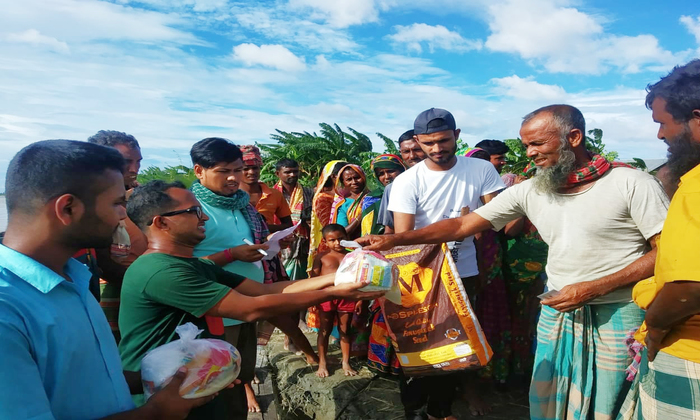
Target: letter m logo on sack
[(415, 283)]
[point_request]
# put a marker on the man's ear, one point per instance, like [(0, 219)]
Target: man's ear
[(160, 223), (457, 131), (575, 137), (68, 209), (198, 171)]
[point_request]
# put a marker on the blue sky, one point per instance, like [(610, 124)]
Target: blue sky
[(172, 72)]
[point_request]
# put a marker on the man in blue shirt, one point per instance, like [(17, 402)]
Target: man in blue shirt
[(59, 359)]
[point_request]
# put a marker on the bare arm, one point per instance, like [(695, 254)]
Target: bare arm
[(248, 309), (488, 197), (675, 303), (576, 295), (513, 229), (404, 222), (437, 233), (246, 253), (316, 268), (253, 288)]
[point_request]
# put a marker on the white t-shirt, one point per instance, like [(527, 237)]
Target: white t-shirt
[(592, 233), (436, 195)]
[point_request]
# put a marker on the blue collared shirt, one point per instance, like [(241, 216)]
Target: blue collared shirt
[(58, 358)]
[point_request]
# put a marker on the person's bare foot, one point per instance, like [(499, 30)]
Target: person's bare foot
[(322, 372), (312, 359), (253, 406), (477, 405), (349, 371)]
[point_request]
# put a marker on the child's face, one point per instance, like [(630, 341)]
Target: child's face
[(333, 240)]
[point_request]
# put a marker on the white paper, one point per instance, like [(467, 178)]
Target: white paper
[(273, 241), (350, 244)]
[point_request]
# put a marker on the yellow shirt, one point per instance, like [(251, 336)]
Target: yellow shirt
[(677, 260)]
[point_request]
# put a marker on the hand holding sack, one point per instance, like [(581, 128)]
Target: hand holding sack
[(211, 364), (434, 328)]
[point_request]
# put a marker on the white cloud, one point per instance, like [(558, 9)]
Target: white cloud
[(34, 37), (693, 26), (280, 25), (565, 39), (274, 56), (341, 13), (434, 36), (75, 21), (527, 88)]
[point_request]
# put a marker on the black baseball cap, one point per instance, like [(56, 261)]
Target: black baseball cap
[(433, 120)]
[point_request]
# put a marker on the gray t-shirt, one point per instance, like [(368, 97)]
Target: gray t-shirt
[(592, 233), (385, 217)]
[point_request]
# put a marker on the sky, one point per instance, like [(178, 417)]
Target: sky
[(171, 72)]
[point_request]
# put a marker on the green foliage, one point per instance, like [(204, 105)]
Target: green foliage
[(595, 144), (639, 164), (169, 173), (390, 146), (516, 157), (313, 151)]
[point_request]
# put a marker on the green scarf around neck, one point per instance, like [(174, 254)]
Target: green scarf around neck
[(238, 201)]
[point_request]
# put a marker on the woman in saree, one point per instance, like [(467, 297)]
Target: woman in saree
[(351, 196), (386, 167), (380, 352), (321, 207)]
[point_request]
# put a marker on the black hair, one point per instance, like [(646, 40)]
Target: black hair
[(48, 169), (680, 89), (566, 117), (212, 150), (111, 138), (493, 147), (408, 135), (333, 227), (286, 163), (150, 200), (481, 154)]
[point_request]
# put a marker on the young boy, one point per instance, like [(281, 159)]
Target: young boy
[(327, 263)]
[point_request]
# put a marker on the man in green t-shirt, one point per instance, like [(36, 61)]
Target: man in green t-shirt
[(167, 286)]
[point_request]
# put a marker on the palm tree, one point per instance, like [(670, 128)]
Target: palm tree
[(313, 151)]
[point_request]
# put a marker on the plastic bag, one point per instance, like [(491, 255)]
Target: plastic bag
[(434, 328), (360, 265), (212, 364), (121, 243)]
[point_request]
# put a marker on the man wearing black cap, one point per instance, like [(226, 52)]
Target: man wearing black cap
[(442, 187), (497, 151)]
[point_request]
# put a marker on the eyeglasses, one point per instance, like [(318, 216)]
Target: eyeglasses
[(197, 210)]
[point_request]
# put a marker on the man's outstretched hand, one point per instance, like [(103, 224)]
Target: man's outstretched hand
[(377, 242), (352, 291)]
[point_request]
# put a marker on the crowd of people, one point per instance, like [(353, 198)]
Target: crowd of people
[(580, 272)]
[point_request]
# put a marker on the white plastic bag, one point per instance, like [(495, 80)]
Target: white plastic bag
[(212, 364), (360, 265)]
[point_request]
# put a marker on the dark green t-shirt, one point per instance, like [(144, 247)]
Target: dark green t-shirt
[(161, 292)]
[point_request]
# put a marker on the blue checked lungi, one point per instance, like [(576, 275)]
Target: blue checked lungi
[(581, 361)]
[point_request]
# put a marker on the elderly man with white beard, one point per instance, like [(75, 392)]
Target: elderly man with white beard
[(600, 220)]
